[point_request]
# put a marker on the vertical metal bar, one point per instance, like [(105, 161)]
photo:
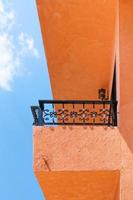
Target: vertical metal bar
[(94, 112), (35, 115), (53, 113), (104, 121), (73, 113), (43, 113), (40, 117), (63, 113), (110, 115), (84, 113)]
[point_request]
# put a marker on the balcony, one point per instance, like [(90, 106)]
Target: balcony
[(75, 112)]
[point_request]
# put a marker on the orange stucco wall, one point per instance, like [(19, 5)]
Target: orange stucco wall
[(78, 150), (94, 185), (126, 92), (75, 163), (79, 40), (126, 70)]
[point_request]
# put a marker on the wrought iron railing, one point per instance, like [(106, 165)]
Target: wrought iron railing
[(75, 112)]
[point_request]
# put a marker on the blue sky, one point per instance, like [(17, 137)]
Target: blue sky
[(23, 80)]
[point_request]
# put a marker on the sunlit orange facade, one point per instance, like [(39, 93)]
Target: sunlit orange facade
[(84, 41)]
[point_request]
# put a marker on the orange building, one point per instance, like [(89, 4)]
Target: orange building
[(83, 146)]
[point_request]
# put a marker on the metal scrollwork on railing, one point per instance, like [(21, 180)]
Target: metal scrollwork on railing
[(53, 112)]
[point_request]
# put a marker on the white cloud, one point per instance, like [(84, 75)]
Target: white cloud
[(8, 62), (12, 54), (27, 45)]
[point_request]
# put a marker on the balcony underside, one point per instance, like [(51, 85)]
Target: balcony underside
[(79, 39)]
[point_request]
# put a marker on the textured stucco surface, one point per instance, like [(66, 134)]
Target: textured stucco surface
[(76, 148)]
